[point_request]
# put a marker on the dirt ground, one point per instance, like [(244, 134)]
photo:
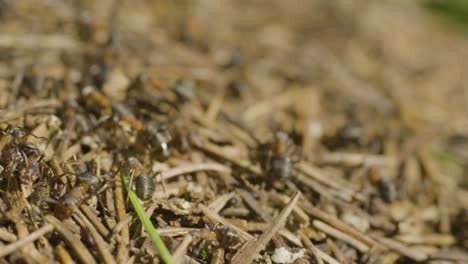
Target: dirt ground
[(301, 131)]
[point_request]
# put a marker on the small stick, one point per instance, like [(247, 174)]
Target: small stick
[(242, 128), (318, 255), (239, 133), (218, 256), (10, 248), (247, 253), (217, 218), (297, 211), (236, 212), (110, 206), (461, 257), (191, 168), (336, 223), (319, 188), (63, 255), (219, 203), (290, 236), (340, 235), (254, 205), (215, 106), (255, 226), (266, 106), (441, 240), (29, 249), (75, 244), (402, 249), (357, 159), (101, 245), (7, 236), (94, 220), (318, 175), (122, 251), (179, 253), (120, 225), (175, 231), (218, 152), (336, 251)]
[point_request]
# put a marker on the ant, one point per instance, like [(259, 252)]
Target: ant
[(16, 132), (144, 185), (225, 236), (21, 157), (278, 157), (216, 237), (159, 136), (88, 184)]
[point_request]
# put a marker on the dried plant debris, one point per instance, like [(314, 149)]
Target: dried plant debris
[(251, 132)]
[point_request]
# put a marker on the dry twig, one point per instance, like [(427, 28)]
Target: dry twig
[(8, 249), (248, 252), (340, 235), (75, 244)]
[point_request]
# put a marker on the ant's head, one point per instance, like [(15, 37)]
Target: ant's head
[(133, 165)]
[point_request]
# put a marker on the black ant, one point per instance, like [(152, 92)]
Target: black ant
[(219, 236), (88, 184), (278, 157), (21, 157), (144, 185), (158, 138)]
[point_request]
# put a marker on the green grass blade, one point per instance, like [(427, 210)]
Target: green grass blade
[(149, 228), (454, 10)]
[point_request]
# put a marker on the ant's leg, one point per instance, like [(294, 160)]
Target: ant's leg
[(103, 188), (26, 161), (41, 157), (12, 166), (41, 138), (108, 182)]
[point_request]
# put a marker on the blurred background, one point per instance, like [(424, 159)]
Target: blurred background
[(405, 56)]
